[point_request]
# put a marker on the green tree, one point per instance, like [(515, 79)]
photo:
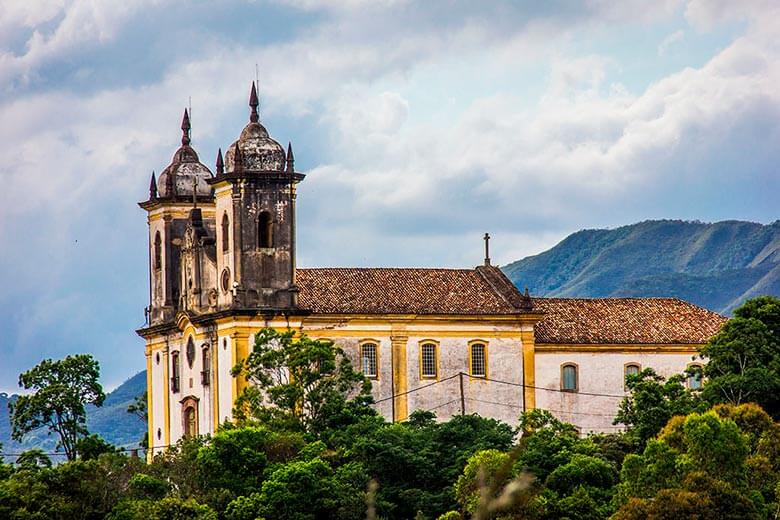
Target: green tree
[(652, 401), (298, 383), (697, 461), (138, 408), (743, 359), (61, 390)]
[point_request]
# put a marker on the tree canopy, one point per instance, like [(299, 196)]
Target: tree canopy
[(60, 391)]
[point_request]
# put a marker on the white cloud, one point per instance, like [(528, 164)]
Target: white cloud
[(670, 41)]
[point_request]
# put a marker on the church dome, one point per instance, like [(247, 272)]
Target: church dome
[(185, 170), (254, 150)]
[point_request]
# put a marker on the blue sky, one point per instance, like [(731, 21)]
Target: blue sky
[(421, 125)]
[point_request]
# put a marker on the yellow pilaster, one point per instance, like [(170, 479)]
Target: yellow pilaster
[(239, 353), (529, 369), (400, 386)]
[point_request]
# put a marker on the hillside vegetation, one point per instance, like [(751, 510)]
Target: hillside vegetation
[(717, 266), (111, 421)]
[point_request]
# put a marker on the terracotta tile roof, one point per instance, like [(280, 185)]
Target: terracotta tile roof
[(624, 320), (484, 290)]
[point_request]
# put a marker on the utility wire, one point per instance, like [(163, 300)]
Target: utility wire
[(539, 408)]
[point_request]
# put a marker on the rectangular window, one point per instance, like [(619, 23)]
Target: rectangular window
[(368, 360), (428, 365), (569, 378), (478, 360)]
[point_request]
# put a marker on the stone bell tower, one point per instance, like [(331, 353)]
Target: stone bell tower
[(171, 196), (254, 189)]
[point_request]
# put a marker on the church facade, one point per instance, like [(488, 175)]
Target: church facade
[(222, 267)]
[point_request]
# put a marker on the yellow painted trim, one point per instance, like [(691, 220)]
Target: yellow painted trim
[(420, 344), (513, 319), (149, 408), (377, 346), (424, 333), (401, 402), (471, 363), (619, 348), (529, 369), (181, 213)]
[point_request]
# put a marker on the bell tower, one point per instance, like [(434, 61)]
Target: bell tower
[(255, 188), (171, 196)]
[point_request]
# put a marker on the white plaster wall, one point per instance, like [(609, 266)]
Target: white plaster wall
[(158, 390), (487, 398), (225, 380), (381, 387), (599, 373)]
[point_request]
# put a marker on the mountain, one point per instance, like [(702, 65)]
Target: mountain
[(111, 421), (715, 265)]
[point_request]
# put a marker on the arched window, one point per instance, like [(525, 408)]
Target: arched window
[(368, 360), (205, 373), (694, 379), (569, 377), (175, 371), (478, 360), (630, 369), (190, 421), (265, 230), (157, 251), (429, 362), (225, 233)]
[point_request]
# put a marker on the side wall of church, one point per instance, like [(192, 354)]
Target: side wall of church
[(599, 372)]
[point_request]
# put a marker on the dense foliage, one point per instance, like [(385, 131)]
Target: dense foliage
[(685, 454)]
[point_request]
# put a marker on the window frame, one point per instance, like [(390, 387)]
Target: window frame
[(435, 345), (157, 251), (205, 361), (265, 230), (484, 345), (175, 371), (688, 378), (225, 233), (576, 377), (362, 345), (625, 371)]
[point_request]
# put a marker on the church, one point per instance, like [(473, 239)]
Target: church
[(222, 267)]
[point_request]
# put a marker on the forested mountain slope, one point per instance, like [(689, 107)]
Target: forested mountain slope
[(715, 265)]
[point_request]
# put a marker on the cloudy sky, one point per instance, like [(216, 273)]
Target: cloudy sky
[(421, 125)]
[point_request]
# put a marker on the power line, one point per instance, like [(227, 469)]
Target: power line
[(540, 408), (416, 389)]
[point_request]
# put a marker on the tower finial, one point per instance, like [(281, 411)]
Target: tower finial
[(254, 103), (153, 187), (487, 249), (185, 128), (220, 163), (290, 158)]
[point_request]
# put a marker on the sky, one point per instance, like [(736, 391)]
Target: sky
[(420, 126)]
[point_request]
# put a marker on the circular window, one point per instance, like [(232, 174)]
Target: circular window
[(225, 280)]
